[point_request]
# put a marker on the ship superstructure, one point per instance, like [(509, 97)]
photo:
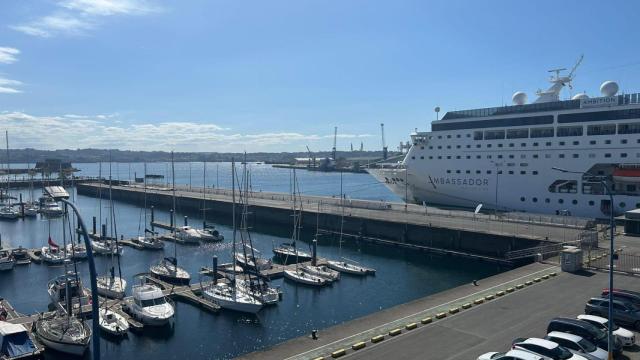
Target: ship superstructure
[(504, 157)]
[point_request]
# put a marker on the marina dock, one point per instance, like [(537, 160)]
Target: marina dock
[(498, 238)]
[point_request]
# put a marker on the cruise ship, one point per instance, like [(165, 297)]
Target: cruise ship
[(551, 156)]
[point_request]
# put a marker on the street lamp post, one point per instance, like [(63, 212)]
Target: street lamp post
[(611, 227)]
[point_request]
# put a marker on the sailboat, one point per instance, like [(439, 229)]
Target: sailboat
[(149, 305), (345, 265), (167, 269), (299, 275), (322, 271), (7, 261), (232, 297), (208, 232), (7, 211), (52, 254), (112, 323), (150, 239), (31, 207), (110, 285)]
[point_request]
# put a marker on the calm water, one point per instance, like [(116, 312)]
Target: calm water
[(402, 276)]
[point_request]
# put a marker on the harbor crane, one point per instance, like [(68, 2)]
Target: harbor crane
[(335, 139), (385, 151), (311, 157)]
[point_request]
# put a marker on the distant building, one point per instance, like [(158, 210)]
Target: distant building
[(54, 165)]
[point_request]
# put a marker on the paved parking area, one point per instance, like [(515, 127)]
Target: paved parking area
[(492, 326)]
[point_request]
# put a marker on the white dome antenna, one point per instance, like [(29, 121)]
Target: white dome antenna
[(609, 88), (519, 98), (580, 96)]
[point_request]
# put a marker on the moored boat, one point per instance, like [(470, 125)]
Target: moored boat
[(113, 323), (16, 343), (149, 305), (168, 270), (63, 333)]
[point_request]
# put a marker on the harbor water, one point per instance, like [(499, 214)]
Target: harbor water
[(402, 275)]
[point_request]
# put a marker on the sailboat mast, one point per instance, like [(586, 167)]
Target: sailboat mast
[(6, 135), (145, 199), (204, 195), (173, 214), (233, 216)]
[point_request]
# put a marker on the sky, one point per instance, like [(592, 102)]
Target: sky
[(277, 76)]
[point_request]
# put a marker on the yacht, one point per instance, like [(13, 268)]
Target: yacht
[(9, 212), (188, 234), (53, 255), (111, 286), (151, 242), (288, 253), (349, 267), (76, 251), (253, 262), (113, 323), (106, 247), (149, 305), (303, 277), (21, 255), (31, 209), (7, 261), (68, 287), (50, 207), (261, 291), (322, 271), (63, 333), (563, 150), (209, 233)]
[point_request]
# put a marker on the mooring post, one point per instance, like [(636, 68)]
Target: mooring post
[(21, 206), (171, 218), (185, 221), (214, 269), (314, 259), (104, 231), (94, 225)]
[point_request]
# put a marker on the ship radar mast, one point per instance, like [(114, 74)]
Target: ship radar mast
[(558, 81)]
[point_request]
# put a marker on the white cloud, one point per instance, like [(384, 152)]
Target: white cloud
[(8, 86), (106, 131), (77, 17), (8, 55)]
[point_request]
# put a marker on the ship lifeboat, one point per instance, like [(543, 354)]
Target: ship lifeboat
[(627, 175)]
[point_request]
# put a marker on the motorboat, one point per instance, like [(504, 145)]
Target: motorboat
[(230, 268), (106, 247), (303, 277), (188, 234), (16, 343), (322, 271), (261, 291), (350, 268), (111, 286), (21, 255), (149, 305), (31, 209), (67, 289), (113, 323), (288, 253), (232, 298), (209, 234), (76, 251), (8, 212), (63, 333), (168, 270), (49, 207), (249, 259), (7, 261), (53, 255)]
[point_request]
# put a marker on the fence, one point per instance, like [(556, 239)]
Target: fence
[(599, 259)]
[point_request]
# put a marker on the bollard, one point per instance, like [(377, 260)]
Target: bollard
[(94, 225), (314, 252), (185, 221), (314, 334), (214, 268), (377, 338), (104, 231), (426, 320)]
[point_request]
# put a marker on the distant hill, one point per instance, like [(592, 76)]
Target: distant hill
[(95, 155)]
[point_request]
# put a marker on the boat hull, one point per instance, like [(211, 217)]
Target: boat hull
[(305, 280), (171, 279), (64, 347)]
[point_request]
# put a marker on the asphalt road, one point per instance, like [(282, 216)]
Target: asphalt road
[(492, 326)]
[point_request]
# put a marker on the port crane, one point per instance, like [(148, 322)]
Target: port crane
[(311, 157)]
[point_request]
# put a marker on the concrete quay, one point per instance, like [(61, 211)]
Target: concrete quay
[(402, 225)]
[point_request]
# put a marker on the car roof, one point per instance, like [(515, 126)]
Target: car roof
[(525, 355), (566, 336), (598, 319), (540, 342), (615, 300)]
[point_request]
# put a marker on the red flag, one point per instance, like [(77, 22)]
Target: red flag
[(52, 244)]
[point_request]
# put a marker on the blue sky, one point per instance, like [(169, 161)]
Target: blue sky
[(206, 75)]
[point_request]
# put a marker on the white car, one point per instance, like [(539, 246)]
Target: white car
[(511, 355), (547, 349), (626, 337), (577, 344)]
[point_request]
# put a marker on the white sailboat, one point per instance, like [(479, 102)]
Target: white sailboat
[(112, 323), (7, 211), (110, 285), (7, 261), (322, 271), (187, 234), (232, 297), (208, 232), (67, 289), (52, 254), (63, 333), (149, 239), (76, 251), (167, 269)]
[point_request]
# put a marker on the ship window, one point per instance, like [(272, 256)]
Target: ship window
[(477, 135), (569, 130), (623, 141), (523, 156), (493, 134), (607, 155), (510, 172), (488, 145), (457, 146), (488, 156), (478, 172), (448, 146), (523, 172), (561, 156), (535, 156), (489, 172), (624, 155), (430, 157), (439, 147), (575, 156), (547, 200), (511, 145), (458, 157), (564, 186), (534, 199), (478, 146), (449, 157), (591, 203), (631, 187), (499, 156), (576, 143), (499, 172), (458, 136), (523, 144), (448, 136), (421, 147), (422, 157), (574, 202), (413, 157), (561, 143), (511, 156), (448, 171), (592, 142), (439, 136), (468, 156), (439, 157), (607, 142), (492, 123), (535, 144), (622, 204), (468, 171), (468, 146), (522, 198), (591, 156), (548, 143), (560, 201), (468, 135), (517, 133), (478, 157), (599, 116), (430, 147), (607, 129), (541, 132), (535, 172), (457, 171)]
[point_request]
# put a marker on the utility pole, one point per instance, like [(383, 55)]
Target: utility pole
[(384, 144)]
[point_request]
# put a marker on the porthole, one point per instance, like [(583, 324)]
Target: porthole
[(547, 200), (560, 201), (591, 203), (574, 202), (522, 198), (623, 204), (535, 200)]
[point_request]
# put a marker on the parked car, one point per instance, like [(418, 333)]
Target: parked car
[(586, 331), (626, 337), (623, 312), (546, 348), (624, 295), (510, 355), (577, 344)]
